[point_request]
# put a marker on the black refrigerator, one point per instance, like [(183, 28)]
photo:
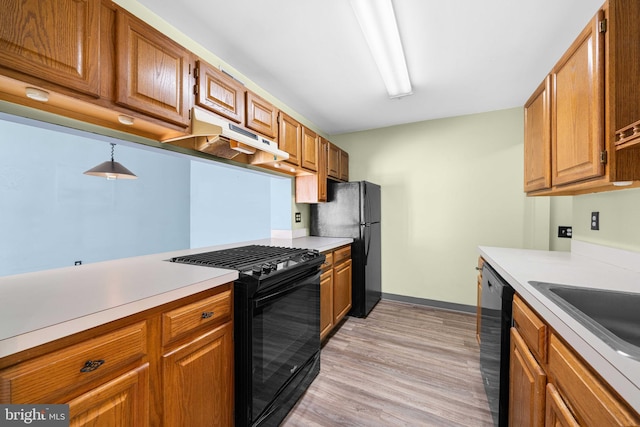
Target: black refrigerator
[(353, 210)]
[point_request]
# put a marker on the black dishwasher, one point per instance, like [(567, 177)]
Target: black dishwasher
[(496, 309)]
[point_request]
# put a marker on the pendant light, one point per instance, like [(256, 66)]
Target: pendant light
[(111, 169)]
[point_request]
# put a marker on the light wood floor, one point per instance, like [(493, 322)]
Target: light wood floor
[(404, 365)]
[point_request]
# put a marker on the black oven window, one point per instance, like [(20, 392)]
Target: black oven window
[(286, 334)]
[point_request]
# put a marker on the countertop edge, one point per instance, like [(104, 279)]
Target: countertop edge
[(127, 273)]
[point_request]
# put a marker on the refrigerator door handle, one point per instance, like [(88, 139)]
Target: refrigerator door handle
[(367, 242)]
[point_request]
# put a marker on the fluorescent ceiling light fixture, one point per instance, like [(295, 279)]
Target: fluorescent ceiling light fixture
[(378, 22)]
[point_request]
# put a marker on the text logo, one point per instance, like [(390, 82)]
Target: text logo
[(34, 415)]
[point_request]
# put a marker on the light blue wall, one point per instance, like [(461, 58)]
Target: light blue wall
[(228, 204), (281, 193), (52, 215)]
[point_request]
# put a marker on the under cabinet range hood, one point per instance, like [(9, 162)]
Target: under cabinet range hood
[(212, 134)]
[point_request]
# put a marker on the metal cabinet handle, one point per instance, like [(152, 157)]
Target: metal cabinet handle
[(206, 314), (91, 365)]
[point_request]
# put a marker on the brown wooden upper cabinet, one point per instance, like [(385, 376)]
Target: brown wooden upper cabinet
[(57, 41), (337, 163), (537, 138), (153, 71), (290, 138), (312, 188), (577, 130), (344, 166), (219, 92), (309, 150), (261, 115), (590, 94), (333, 159)]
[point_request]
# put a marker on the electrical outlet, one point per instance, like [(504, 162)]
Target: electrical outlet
[(595, 220), (565, 232), (298, 217)]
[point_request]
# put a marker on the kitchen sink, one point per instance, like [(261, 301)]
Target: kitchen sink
[(613, 316)]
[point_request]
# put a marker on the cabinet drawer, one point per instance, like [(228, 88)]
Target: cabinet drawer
[(328, 262), (47, 378), (588, 398), (532, 329), (341, 254), (183, 320)]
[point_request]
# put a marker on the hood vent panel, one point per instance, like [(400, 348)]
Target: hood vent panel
[(214, 135)]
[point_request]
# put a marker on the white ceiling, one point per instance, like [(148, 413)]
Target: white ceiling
[(464, 56)]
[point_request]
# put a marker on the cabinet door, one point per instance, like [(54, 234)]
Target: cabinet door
[(219, 93), (557, 412), (578, 109), (153, 72), (322, 169), (333, 161), (341, 290), (344, 166), (309, 149), (590, 399), (527, 383), (198, 380), (57, 41), (122, 402), (326, 303), (290, 138), (262, 116), (537, 139), (313, 188)]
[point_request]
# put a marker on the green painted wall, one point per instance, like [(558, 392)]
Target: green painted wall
[(448, 186), (619, 218)]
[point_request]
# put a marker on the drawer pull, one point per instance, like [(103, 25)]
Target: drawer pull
[(206, 314), (91, 365)]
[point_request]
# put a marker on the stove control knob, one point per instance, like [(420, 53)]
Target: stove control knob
[(256, 270)]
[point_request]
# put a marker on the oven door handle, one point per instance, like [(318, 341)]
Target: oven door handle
[(285, 290)]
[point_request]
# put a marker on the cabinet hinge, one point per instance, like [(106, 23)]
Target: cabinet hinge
[(603, 26), (195, 89), (195, 72), (603, 157)]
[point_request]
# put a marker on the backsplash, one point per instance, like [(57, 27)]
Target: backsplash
[(619, 218)]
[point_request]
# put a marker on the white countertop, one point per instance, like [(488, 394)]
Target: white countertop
[(39, 307), (587, 265)]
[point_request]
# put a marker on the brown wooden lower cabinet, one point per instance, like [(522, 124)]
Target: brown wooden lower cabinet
[(557, 413), (335, 289), (166, 366), (551, 385), (199, 380), (326, 303), (527, 383), (124, 401), (341, 290)]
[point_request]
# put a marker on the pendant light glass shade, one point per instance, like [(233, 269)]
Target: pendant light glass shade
[(111, 169)]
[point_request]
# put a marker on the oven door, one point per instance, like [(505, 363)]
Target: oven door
[(285, 336)]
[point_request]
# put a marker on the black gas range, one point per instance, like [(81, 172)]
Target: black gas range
[(276, 325), (258, 262)]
